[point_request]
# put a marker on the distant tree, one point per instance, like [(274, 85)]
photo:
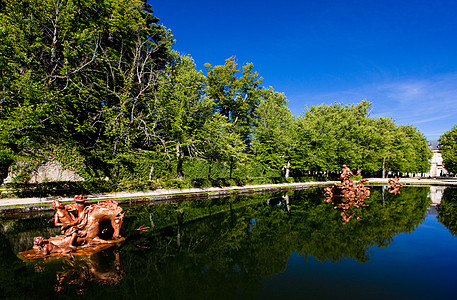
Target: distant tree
[(448, 148), (330, 136), (416, 154), (388, 142)]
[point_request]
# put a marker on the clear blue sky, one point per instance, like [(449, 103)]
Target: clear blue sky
[(399, 55)]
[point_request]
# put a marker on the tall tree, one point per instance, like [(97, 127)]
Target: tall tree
[(219, 141), (415, 154), (332, 135), (448, 148), (273, 131), (235, 97), (183, 110)]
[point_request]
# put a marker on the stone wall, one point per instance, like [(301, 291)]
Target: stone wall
[(50, 171)]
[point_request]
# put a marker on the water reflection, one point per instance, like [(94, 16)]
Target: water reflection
[(223, 248), (436, 194), (447, 209), (77, 274)]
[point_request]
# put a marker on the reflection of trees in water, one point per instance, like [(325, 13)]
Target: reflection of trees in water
[(228, 250), (21, 231), (447, 209), (223, 247)]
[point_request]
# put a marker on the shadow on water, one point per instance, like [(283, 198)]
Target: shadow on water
[(214, 248)]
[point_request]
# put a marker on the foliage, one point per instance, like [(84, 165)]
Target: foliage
[(234, 98), (332, 135), (448, 148), (448, 210), (97, 86), (183, 111), (273, 132), (78, 75)]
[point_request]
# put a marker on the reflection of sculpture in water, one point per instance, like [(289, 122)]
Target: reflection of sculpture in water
[(89, 269), (97, 223), (284, 201), (346, 195), (394, 185)]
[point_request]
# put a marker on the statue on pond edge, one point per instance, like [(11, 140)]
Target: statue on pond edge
[(345, 195), (394, 185), (81, 224)]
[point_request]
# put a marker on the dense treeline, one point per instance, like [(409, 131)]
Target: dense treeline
[(97, 86)]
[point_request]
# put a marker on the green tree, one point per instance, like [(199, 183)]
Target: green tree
[(182, 111), (78, 75), (387, 145), (330, 136), (234, 97), (273, 131), (448, 148), (415, 152), (219, 141)]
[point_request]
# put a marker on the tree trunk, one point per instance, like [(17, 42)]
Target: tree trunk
[(384, 168), (4, 171), (209, 169), (287, 168), (151, 171), (179, 162)]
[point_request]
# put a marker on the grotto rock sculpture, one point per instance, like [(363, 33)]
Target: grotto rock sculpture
[(94, 224)]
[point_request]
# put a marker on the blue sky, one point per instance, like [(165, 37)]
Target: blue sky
[(399, 55)]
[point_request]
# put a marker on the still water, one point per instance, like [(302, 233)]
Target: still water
[(267, 246)]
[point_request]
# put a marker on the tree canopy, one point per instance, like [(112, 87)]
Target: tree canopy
[(448, 148), (97, 86)]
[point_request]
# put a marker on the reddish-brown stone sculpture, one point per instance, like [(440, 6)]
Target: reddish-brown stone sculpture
[(394, 185), (46, 247), (97, 223), (345, 195), (78, 206)]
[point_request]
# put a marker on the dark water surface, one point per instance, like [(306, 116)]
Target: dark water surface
[(270, 246)]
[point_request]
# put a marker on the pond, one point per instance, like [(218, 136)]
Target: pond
[(288, 245)]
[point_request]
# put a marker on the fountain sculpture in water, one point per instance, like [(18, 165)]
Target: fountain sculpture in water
[(394, 185), (345, 195), (89, 225)]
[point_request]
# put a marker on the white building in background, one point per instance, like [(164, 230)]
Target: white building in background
[(436, 163)]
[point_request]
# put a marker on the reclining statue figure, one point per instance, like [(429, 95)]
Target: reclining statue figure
[(46, 247)]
